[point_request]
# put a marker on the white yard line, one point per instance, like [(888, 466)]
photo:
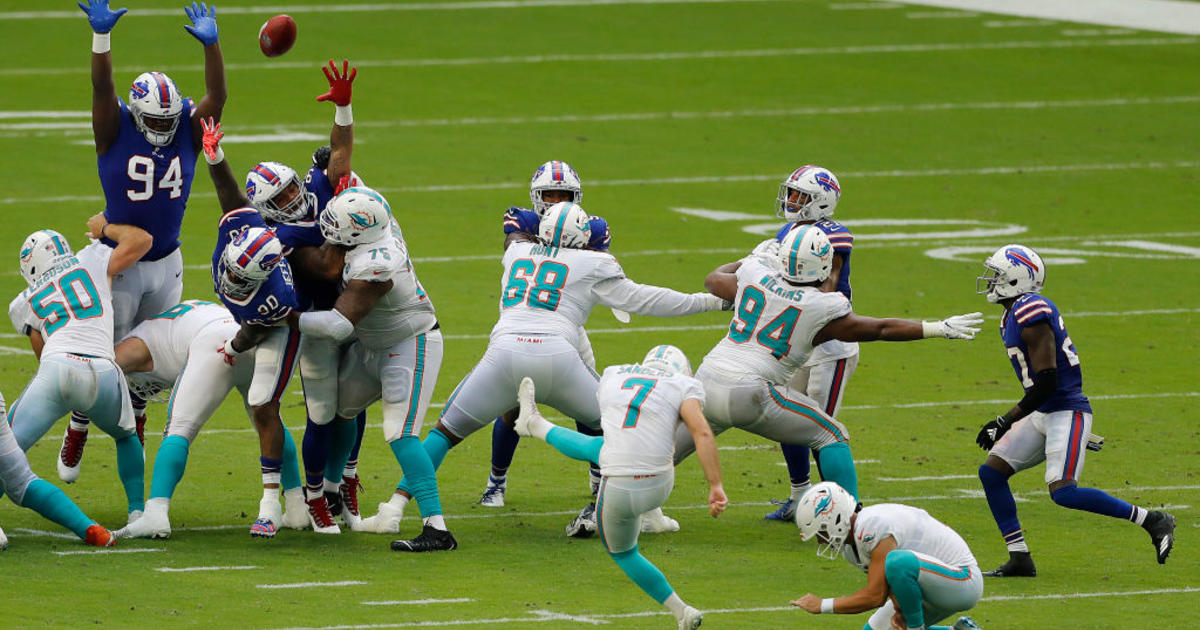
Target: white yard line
[(99, 551), (311, 584), (926, 478), (418, 602), (190, 569)]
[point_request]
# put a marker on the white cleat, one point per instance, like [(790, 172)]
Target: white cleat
[(133, 516), (493, 495), (70, 455), (319, 516), (386, 521), (295, 515), (655, 522), (3, 541), (152, 524), (529, 413), (270, 515), (691, 619)]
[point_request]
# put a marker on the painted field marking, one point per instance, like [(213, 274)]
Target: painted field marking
[(1016, 23), (99, 551), (863, 6), (934, 15), (1093, 32), (311, 584), (45, 533), (926, 478), (418, 602), (761, 53), (188, 569)]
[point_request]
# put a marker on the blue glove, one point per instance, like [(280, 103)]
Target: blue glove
[(600, 239), (100, 17), (204, 22), (521, 220)]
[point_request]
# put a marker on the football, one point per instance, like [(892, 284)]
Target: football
[(277, 35)]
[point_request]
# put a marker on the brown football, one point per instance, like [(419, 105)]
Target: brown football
[(277, 35)]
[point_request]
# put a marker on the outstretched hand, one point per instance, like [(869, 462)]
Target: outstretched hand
[(204, 22), (212, 139), (100, 16), (339, 84), (809, 602)]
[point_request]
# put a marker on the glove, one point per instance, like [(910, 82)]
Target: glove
[(956, 327), (601, 239), (204, 22), (100, 17), (767, 252), (339, 85), (346, 181), (227, 352), (518, 219), (992, 432), (320, 157), (211, 141)]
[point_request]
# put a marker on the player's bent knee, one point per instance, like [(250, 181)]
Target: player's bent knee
[(901, 565)]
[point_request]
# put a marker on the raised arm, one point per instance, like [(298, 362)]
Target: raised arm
[(859, 328), (645, 299), (230, 195), (132, 242), (204, 29), (106, 121), (706, 450), (341, 138)]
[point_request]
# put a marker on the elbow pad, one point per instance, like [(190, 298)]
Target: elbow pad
[(331, 324), (1044, 385)]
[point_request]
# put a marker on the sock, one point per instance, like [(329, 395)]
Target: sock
[(316, 443), (289, 471), (645, 575), (436, 446), (360, 422), (798, 490), (419, 471), (399, 500), (504, 446), (837, 464), (796, 457), (131, 467), (340, 444), (1004, 507), (79, 421), (493, 480), (574, 445), (675, 605), (1097, 502), (902, 569), (435, 521), (44, 498), (270, 470), (169, 464)]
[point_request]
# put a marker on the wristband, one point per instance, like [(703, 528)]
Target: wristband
[(217, 160), (229, 350), (101, 43), (933, 329), (827, 606), (342, 116)]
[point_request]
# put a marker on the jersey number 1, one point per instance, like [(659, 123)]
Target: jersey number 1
[(141, 171)]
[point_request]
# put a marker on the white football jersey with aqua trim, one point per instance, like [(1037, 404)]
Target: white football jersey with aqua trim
[(169, 334), (773, 325), (71, 306), (639, 410), (914, 530), (406, 310)]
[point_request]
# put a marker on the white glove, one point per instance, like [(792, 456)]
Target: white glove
[(768, 252), (956, 327)]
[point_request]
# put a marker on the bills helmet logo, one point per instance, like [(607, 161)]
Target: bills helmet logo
[(827, 182), (1018, 258), (251, 188), (139, 90), (541, 169)]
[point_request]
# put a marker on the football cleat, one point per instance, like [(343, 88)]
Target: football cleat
[(965, 623), (691, 619), (348, 495), (334, 501), (584, 525), (152, 524), (386, 521), (71, 454), (1161, 526), (655, 522), (3, 541), (526, 399), (1020, 564), (319, 517), (270, 515), (296, 514), (263, 528), (430, 539), (133, 516), (786, 511), (97, 536), (493, 495)]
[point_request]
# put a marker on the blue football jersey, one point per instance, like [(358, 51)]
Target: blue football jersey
[(527, 221), (1031, 309), (842, 241), (148, 186), (275, 298)]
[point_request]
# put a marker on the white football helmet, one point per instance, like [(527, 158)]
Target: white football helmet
[(156, 106), (805, 255), (1012, 271), (357, 215), (818, 190), (825, 511), (248, 261), (554, 175), (565, 225), (668, 358), (41, 252), (267, 182)]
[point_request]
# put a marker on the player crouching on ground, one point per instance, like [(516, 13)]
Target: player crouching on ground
[(925, 566), (641, 408)]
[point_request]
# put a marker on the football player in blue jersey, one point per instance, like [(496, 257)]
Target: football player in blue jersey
[(1052, 422), (254, 280), (808, 197), (146, 151)]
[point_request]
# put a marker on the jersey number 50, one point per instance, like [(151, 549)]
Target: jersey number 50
[(548, 280), (69, 286)]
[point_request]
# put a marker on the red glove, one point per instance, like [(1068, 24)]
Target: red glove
[(339, 85), (346, 181), (212, 138), (227, 352)]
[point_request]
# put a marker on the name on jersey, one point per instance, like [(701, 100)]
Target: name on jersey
[(544, 250), (49, 275), (638, 369), (769, 283)]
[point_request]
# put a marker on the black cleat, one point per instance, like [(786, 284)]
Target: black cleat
[(334, 499), (584, 525), (430, 539), (1162, 533), (1020, 564)]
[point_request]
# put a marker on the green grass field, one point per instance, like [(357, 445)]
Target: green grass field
[(1077, 140)]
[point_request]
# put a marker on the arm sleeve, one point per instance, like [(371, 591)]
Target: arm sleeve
[(1045, 383), (331, 324), (642, 299)]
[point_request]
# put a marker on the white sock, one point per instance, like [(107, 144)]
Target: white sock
[(271, 493), (399, 500), (350, 471), (436, 521), (676, 605), (798, 489), (540, 426), (1140, 515), (332, 486)]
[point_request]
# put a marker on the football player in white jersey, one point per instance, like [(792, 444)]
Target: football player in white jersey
[(547, 292), (173, 350), (68, 315), (925, 566), (641, 408), (398, 350), (781, 314)]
